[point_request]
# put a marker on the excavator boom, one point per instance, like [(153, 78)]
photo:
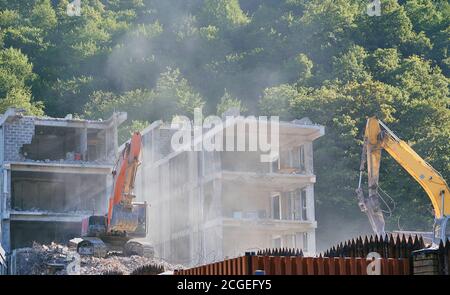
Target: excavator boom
[(377, 137), (121, 216)]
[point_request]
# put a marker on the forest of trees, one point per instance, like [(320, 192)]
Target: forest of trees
[(323, 59)]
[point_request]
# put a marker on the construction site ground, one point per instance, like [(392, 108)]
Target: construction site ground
[(56, 259)]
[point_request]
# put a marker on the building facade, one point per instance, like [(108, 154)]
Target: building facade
[(54, 172), (209, 205)]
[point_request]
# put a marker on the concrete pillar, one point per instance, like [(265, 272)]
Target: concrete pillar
[(310, 202), (194, 216), (312, 242), (115, 136), (4, 191), (309, 165), (6, 235), (109, 189), (218, 193), (311, 217), (107, 144), (6, 208), (83, 144), (285, 208), (7, 191)]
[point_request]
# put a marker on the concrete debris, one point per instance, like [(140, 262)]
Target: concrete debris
[(54, 259), (42, 260), (125, 265)]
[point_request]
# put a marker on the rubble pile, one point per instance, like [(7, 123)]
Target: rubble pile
[(42, 260), (55, 259), (126, 265)]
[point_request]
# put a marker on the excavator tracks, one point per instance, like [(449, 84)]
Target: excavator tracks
[(139, 247)]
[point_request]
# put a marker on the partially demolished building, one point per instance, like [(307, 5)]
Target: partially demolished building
[(209, 205), (54, 172)]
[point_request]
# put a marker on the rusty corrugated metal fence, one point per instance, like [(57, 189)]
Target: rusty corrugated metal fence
[(348, 258), (297, 265)]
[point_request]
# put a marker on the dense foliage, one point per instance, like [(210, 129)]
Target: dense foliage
[(325, 59)]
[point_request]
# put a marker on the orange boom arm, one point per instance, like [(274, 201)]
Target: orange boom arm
[(123, 181)]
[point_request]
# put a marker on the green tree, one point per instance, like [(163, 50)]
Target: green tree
[(305, 66), (224, 13), (126, 131), (172, 96), (351, 66), (275, 101), (43, 15), (383, 64), (16, 73), (326, 26), (174, 93), (228, 101)]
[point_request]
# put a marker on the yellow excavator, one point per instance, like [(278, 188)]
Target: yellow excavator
[(377, 137)]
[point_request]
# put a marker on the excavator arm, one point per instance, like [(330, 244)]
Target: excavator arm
[(378, 136), (371, 156), (121, 216)]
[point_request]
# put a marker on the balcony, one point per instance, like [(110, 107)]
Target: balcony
[(260, 219), (270, 224), (269, 181)]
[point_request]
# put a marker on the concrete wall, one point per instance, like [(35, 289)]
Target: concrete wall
[(17, 133)]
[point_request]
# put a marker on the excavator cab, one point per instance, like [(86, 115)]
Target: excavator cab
[(141, 209), (96, 225), (441, 230)]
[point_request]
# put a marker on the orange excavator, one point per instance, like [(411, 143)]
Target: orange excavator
[(125, 222)]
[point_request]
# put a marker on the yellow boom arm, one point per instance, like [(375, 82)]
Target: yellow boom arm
[(377, 137)]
